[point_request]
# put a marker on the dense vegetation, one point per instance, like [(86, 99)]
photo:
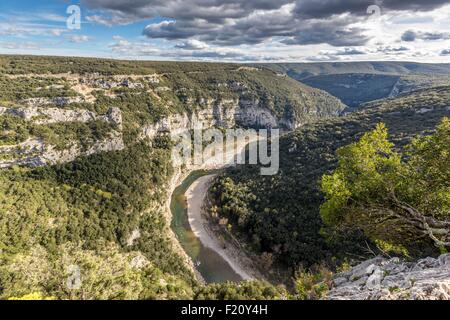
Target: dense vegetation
[(279, 215), (398, 199), (35, 87), (84, 215), (59, 65), (104, 214), (72, 272), (16, 130), (251, 290), (91, 203)]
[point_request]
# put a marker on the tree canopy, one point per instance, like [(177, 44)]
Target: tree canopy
[(398, 197)]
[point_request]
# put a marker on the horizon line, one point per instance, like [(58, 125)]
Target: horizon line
[(215, 61)]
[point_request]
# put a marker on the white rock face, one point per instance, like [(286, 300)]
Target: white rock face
[(251, 114), (35, 153), (59, 101), (381, 279), (110, 82), (135, 235), (42, 115), (113, 143), (139, 262), (224, 114)]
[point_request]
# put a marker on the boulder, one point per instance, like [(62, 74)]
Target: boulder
[(394, 279)]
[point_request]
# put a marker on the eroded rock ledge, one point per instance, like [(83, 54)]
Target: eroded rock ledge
[(382, 279), (35, 152)]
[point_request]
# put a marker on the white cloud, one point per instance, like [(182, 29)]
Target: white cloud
[(263, 30), (79, 38), (192, 44), (19, 45), (101, 20), (57, 32)]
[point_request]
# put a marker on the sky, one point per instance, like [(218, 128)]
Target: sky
[(229, 30)]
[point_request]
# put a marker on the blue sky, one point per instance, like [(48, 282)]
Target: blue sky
[(40, 27), (232, 30)]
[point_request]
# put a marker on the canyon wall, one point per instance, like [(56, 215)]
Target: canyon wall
[(35, 152)]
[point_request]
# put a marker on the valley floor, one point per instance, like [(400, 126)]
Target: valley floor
[(236, 258)]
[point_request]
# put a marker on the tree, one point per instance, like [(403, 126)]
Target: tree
[(74, 273), (393, 197), (245, 290), (32, 296)]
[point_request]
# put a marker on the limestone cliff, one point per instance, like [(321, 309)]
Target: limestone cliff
[(393, 279), (35, 152), (233, 98), (224, 114)]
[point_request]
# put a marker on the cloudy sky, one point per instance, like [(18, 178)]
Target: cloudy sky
[(229, 30)]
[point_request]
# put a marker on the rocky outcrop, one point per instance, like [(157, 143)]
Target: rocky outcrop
[(179, 123), (382, 279), (35, 152), (53, 156), (43, 116), (223, 114), (127, 81), (135, 235), (251, 114), (58, 101)]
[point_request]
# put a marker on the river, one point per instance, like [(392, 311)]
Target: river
[(212, 267)]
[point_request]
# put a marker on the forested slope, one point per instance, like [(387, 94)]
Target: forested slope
[(279, 216), (98, 212)]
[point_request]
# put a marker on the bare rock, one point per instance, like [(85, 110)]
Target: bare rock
[(374, 281), (382, 279), (59, 101), (139, 262), (35, 153), (135, 235)]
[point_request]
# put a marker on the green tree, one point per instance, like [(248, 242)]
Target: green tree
[(32, 296), (245, 290), (393, 197), (74, 273)]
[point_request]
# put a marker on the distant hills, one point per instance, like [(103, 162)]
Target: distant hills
[(356, 83), (106, 210), (103, 205), (300, 71)]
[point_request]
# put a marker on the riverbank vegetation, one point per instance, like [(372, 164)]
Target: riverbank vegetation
[(279, 216), (93, 203), (104, 214), (102, 217)]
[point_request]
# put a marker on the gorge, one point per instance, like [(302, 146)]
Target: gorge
[(87, 179)]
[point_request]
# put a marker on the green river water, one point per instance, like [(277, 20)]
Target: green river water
[(210, 264)]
